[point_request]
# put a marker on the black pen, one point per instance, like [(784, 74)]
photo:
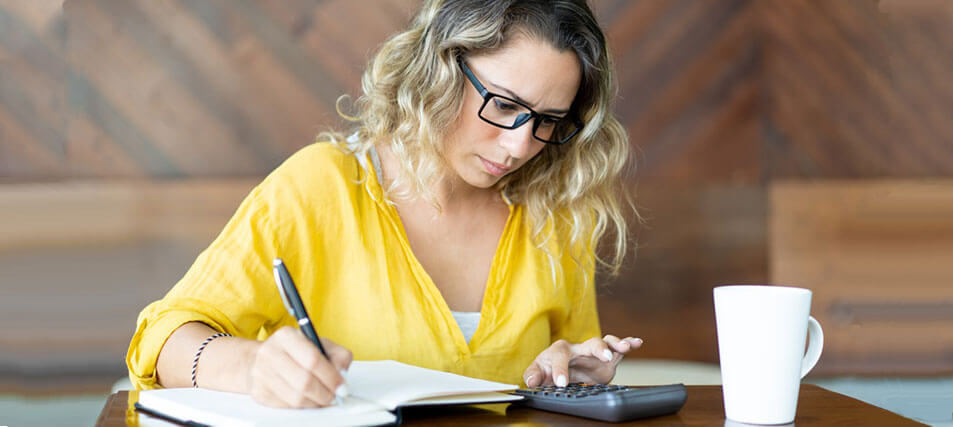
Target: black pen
[(289, 294), (292, 300)]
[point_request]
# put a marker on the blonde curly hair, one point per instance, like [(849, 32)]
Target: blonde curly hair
[(413, 87)]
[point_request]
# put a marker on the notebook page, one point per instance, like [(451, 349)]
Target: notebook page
[(465, 399), (234, 409), (390, 384)]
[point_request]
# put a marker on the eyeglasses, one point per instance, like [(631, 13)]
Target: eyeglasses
[(508, 113)]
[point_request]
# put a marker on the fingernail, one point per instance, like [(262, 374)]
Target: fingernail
[(638, 341), (561, 381), (607, 354), (341, 391), (529, 379)]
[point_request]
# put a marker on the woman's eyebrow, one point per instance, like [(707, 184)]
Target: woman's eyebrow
[(513, 95)]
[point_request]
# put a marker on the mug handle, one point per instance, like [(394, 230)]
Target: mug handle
[(815, 344)]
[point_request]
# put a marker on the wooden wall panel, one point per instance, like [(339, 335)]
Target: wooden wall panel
[(693, 238), (181, 88), (175, 88), (78, 261), (690, 88), (877, 256), (857, 89), (732, 91)]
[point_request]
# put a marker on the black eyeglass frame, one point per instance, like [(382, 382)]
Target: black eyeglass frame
[(522, 118)]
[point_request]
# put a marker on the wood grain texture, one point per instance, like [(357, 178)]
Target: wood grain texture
[(728, 91), (693, 238), (174, 88), (703, 407), (857, 89), (877, 256), (78, 262)]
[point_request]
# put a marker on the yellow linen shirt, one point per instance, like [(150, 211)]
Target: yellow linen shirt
[(327, 217)]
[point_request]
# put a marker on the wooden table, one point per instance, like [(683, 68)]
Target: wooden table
[(816, 406)]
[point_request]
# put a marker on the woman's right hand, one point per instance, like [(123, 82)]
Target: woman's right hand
[(288, 371)]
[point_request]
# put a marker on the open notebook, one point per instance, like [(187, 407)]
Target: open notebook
[(377, 388)]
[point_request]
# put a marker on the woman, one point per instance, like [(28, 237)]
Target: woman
[(455, 229)]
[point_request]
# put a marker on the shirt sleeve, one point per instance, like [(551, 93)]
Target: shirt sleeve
[(229, 288)]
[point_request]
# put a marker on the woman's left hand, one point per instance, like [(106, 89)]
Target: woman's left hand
[(592, 361)]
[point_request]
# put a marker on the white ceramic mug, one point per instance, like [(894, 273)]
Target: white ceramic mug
[(761, 335)]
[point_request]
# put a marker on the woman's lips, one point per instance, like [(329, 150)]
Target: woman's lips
[(494, 168)]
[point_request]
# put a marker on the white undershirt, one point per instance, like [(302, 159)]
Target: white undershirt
[(467, 321)]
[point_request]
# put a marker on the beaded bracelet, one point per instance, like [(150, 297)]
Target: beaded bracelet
[(195, 363)]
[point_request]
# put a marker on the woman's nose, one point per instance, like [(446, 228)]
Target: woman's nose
[(519, 142)]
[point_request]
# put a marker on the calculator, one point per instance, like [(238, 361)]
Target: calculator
[(606, 402)]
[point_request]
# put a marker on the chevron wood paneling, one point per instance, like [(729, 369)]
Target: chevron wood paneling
[(176, 88), (857, 89), (690, 88), (735, 90)]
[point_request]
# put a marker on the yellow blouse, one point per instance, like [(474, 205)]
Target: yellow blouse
[(326, 216)]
